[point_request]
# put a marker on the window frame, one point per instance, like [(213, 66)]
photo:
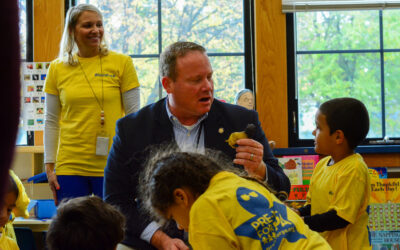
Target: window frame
[(28, 58), (293, 111), (29, 32), (249, 44)]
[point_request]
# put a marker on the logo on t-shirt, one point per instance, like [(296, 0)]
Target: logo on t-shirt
[(104, 75), (270, 224)]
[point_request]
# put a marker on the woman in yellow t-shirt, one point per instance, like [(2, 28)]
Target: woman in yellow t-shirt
[(88, 88), (219, 209)]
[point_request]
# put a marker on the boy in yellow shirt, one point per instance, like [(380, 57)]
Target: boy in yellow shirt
[(338, 197)]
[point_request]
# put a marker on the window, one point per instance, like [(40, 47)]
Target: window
[(22, 27), (344, 53), (26, 46), (142, 29), (25, 29)]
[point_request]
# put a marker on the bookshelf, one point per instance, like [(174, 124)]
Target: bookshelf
[(28, 161)]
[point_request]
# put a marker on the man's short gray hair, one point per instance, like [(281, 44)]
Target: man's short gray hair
[(171, 53)]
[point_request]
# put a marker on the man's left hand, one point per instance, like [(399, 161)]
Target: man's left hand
[(249, 153)]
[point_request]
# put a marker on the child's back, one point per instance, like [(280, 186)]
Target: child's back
[(6, 243), (247, 216), (218, 208)]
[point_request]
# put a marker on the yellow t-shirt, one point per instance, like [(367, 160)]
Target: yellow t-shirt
[(235, 213), (344, 187), (21, 206), (80, 112), (7, 243)]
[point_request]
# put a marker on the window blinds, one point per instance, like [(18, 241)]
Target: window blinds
[(322, 5)]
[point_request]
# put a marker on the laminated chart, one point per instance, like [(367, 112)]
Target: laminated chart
[(33, 75)]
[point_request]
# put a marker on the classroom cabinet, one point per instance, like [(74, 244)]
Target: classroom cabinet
[(28, 161)]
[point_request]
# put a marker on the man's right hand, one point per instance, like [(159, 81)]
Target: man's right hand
[(160, 240), (52, 179)]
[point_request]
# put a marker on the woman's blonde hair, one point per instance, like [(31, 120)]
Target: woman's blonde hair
[(68, 45)]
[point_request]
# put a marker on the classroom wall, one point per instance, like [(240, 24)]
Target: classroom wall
[(48, 26), (271, 73)]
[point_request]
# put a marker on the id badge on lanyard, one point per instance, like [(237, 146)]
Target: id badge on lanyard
[(102, 139), (102, 142)]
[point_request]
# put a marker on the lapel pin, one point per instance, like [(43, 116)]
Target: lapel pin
[(221, 130)]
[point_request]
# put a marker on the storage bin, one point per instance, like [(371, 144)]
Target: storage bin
[(45, 209)]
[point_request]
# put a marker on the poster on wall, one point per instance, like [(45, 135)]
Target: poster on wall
[(292, 168), (384, 209), (385, 190), (387, 240), (33, 97), (308, 163)]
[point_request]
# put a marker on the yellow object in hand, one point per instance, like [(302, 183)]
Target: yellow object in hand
[(234, 137)]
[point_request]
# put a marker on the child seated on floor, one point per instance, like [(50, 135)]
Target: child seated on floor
[(218, 208), (7, 205), (338, 196), (85, 223)]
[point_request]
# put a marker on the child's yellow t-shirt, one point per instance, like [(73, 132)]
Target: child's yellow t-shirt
[(21, 206), (7, 243), (345, 187), (80, 111), (235, 213)]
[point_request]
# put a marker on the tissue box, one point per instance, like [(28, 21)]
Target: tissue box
[(45, 209)]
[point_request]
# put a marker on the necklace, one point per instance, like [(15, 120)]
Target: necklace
[(101, 105)]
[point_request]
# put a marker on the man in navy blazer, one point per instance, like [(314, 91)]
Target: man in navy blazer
[(194, 120)]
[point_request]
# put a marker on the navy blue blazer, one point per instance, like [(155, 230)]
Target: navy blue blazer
[(151, 126)]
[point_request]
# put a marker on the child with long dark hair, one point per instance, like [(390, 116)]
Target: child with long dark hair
[(218, 208)]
